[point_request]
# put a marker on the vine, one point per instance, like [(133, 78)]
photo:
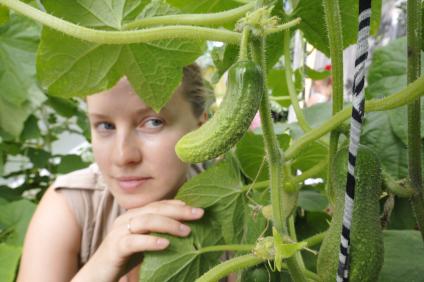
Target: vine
[(414, 37)]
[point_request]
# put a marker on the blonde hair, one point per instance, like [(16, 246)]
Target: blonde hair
[(194, 90)]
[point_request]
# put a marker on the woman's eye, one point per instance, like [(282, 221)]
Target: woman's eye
[(104, 126), (154, 123)]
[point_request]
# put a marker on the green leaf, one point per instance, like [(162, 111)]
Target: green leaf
[(97, 13), (311, 155), (313, 22), (20, 93), (18, 43), (316, 75), (181, 261), (4, 15), (223, 57), (312, 200), (317, 114), (70, 163), (376, 10), (158, 8), (203, 6), (402, 216), (9, 260), (39, 157), (31, 129), (1, 162), (378, 135), (63, 107), (154, 69), (69, 67), (387, 73), (403, 259), (277, 83), (16, 216), (12, 117), (133, 8), (250, 152), (223, 198)]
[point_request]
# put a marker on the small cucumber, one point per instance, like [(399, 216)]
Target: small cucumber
[(366, 237), (218, 135)]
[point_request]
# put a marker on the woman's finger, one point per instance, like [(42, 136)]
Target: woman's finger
[(157, 223), (134, 243), (174, 210)]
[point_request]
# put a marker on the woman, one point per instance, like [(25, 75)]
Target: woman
[(94, 224)]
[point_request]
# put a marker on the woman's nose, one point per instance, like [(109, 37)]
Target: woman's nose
[(128, 149)]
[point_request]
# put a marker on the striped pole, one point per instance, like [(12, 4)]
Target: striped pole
[(358, 104)]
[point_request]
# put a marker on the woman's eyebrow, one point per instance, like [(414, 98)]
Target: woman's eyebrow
[(137, 112)]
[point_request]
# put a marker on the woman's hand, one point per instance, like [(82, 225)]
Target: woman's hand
[(120, 250)]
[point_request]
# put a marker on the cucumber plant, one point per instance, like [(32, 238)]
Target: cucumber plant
[(259, 209)]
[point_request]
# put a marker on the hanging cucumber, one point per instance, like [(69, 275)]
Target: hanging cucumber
[(218, 135), (366, 251)]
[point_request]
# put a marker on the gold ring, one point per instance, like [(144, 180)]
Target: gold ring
[(129, 225)]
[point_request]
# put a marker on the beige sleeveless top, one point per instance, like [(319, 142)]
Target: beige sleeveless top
[(93, 205)]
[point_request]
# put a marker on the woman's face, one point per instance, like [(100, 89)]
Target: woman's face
[(134, 147)]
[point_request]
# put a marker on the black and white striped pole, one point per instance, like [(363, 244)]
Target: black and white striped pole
[(358, 104)]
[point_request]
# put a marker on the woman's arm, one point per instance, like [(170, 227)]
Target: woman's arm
[(52, 242)]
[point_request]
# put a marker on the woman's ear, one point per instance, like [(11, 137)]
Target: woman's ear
[(203, 118)]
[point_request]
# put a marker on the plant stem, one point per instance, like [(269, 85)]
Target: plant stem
[(122, 37), (316, 239), (290, 85), (406, 95), (229, 266), (244, 45), (219, 248), (414, 37), (273, 153), (275, 160), (192, 19), (334, 27), (395, 187), (282, 27)]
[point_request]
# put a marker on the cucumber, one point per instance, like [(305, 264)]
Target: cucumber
[(366, 237), (245, 88)]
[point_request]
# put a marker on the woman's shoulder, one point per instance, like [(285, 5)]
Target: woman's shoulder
[(83, 179)]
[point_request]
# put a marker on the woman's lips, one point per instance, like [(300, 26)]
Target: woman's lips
[(130, 184)]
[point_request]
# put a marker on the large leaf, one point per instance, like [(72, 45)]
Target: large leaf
[(181, 261), (9, 259), (311, 200), (250, 152), (12, 117), (403, 256), (313, 22), (223, 197), (16, 216), (19, 93), (386, 76), (95, 13), (70, 67), (203, 6), (378, 135), (18, 43), (4, 15), (311, 155), (387, 73)]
